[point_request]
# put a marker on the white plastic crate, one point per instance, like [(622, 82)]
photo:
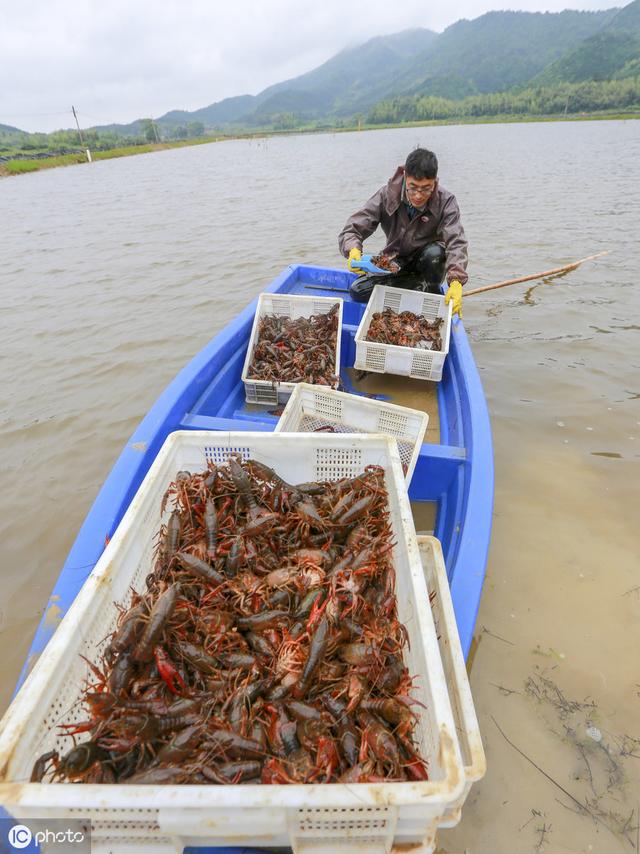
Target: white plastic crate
[(284, 305), (313, 407), (391, 358), (455, 671), (333, 817)]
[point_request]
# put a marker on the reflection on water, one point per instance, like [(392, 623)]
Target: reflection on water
[(113, 275)]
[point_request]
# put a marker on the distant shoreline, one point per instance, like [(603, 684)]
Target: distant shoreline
[(23, 167)]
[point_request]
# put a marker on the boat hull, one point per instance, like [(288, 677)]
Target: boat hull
[(456, 473)]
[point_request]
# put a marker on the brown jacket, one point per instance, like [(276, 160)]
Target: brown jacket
[(439, 222)]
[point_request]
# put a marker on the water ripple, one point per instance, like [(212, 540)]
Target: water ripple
[(107, 293)]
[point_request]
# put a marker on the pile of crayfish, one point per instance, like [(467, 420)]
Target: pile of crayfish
[(386, 263), (296, 351), (265, 648), (405, 329)]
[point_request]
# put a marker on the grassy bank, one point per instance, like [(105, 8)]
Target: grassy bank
[(19, 167)]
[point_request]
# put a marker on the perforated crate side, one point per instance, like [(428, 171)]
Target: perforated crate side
[(330, 462), (312, 409), (375, 357), (392, 299), (262, 392), (220, 456), (393, 359), (455, 670), (329, 405), (393, 422), (369, 829), (126, 561), (423, 365)]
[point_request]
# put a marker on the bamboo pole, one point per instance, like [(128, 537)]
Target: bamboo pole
[(555, 272)]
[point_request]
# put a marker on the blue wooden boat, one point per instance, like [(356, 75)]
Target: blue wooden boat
[(456, 474)]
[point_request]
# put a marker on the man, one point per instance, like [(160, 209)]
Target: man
[(424, 234)]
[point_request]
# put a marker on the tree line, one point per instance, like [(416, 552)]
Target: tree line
[(61, 141), (622, 95), (569, 98)]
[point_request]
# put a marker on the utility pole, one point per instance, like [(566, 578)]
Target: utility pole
[(75, 116)]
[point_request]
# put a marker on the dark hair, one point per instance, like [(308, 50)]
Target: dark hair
[(421, 163)]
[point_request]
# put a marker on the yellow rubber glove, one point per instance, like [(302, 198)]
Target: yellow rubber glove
[(354, 256), (454, 294)]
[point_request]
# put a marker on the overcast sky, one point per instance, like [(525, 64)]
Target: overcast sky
[(118, 60)]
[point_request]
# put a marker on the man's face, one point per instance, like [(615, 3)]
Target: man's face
[(419, 189)]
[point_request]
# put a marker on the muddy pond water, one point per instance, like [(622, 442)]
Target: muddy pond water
[(112, 275)]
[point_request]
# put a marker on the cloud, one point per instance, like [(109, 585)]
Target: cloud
[(117, 61)]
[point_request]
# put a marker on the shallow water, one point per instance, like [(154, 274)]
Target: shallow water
[(113, 275)]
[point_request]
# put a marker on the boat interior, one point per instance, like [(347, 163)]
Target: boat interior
[(222, 404)]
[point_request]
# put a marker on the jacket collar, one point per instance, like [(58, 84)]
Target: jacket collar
[(394, 193), (394, 190)]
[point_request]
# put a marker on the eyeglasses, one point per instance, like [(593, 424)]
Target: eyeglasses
[(420, 189)]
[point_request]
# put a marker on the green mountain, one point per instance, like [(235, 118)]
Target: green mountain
[(492, 53), (600, 57), (355, 78), (627, 19), (228, 110), (352, 80), (10, 129), (612, 53), (499, 52)]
